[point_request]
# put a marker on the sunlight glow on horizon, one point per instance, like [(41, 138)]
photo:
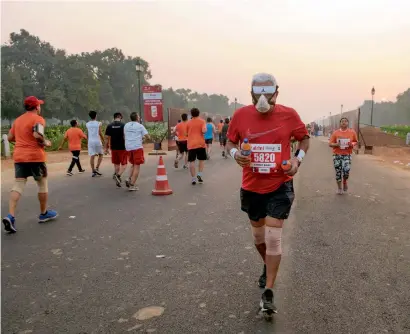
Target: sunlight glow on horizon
[(323, 54)]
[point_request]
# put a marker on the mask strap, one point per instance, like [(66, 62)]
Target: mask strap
[(254, 100)]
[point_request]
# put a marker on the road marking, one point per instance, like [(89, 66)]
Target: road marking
[(57, 251), (135, 327), (149, 312)]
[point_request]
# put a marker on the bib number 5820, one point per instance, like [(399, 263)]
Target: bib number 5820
[(264, 157)]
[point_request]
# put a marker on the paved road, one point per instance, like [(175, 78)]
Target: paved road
[(346, 264)]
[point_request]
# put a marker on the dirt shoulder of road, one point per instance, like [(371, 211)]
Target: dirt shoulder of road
[(397, 156)]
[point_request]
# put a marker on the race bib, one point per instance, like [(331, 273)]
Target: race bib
[(344, 143), (265, 157)]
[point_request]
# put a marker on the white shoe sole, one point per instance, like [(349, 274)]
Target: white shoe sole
[(47, 219)]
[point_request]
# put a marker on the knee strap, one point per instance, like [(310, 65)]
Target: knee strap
[(273, 239), (19, 185), (42, 185), (258, 234)]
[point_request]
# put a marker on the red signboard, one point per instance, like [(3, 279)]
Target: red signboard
[(152, 97)]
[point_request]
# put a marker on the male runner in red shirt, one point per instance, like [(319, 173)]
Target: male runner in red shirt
[(267, 191)]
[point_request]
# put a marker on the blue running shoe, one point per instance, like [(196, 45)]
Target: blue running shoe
[(9, 224), (49, 215)]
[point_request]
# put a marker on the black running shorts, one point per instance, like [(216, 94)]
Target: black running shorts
[(23, 170), (182, 146), (276, 204), (197, 153)]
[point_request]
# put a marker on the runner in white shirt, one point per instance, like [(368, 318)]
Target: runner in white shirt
[(95, 146), (134, 133)]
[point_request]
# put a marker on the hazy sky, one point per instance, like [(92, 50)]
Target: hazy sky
[(323, 53)]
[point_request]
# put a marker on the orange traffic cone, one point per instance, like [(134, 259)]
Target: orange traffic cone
[(161, 183)]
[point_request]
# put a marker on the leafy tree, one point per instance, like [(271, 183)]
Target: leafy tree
[(74, 84)]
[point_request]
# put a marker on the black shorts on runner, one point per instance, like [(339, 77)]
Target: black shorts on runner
[(276, 204), (23, 170), (208, 141), (197, 153), (182, 146), (220, 138)]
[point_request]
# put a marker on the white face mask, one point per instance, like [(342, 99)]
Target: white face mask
[(263, 105)]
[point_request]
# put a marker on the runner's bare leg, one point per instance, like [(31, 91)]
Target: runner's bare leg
[(200, 167), (100, 159), (121, 169), (261, 248), (209, 149), (116, 169), (272, 261), (92, 159), (135, 173), (14, 198), (43, 198)]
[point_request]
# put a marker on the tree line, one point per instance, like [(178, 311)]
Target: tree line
[(387, 113), (73, 84)]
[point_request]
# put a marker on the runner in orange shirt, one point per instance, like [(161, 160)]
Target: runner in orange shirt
[(74, 135), (196, 127), (182, 135), (29, 160), (342, 141)]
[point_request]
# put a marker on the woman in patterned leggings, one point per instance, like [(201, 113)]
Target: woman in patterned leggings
[(342, 141)]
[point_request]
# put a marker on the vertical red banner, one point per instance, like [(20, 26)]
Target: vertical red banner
[(153, 107)]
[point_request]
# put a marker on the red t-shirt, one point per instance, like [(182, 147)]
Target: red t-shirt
[(269, 134)]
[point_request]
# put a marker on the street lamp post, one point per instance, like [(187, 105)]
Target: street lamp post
[(341, 110), (139, 69), (371, 113), (236, 100), (330, 122)]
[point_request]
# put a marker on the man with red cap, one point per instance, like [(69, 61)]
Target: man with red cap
[(29, 160)]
